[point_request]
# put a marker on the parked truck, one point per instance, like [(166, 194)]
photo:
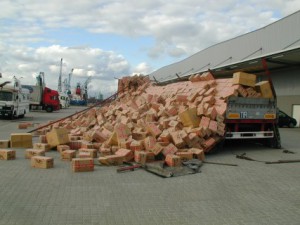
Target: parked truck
[(251, 117), (42, 97), (255, 118), (64, 100), (14, 100)]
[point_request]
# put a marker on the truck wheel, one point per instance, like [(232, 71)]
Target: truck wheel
[(22, 116), (49, 109), (273, 143)]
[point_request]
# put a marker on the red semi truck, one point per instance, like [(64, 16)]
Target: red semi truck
[(41, 97)]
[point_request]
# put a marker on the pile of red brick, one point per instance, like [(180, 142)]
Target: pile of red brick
[(175, 122)]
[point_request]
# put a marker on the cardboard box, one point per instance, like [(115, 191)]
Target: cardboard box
[(21, 140), (42, 162), (140, 157), (58, 136), (111, 160), (173, 160), (4, 143), (42, 146), (105, 151), (75, 144), (82, 165), (138, 136), (169, 149), (122, 131), (23, 125), (91, 152), (7, 154), (177, 139), (136, 145), (99, 136), (42, 139), (185, 156), (264, 88), (68, 155), (189, 118), (84, 155), (126, 153), (149, 142), (165, 136), (198, 153), (61, 148), (157, 149), (86, 144), (243, 78), (113, 139), (153, 129), (29, 153), (209, 144)]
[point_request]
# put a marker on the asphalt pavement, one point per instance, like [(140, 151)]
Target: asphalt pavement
[(251, 193)]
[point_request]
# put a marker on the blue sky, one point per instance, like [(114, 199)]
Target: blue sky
[(108, 38)]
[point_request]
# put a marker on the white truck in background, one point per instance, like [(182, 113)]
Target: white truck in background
[(14, 100), (64, 100)]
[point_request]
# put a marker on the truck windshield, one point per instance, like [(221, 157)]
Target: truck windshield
[(6, 96)]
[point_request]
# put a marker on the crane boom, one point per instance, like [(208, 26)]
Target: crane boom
[(59, 78), (69, 80)]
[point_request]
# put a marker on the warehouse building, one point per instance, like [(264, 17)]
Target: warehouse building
[(273, 49)]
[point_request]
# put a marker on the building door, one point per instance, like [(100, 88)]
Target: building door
[(296, 114)]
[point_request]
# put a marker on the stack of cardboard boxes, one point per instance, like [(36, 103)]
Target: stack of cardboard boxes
[(175, 122)]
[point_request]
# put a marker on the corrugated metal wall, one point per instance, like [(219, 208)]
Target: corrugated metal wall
[(287, 82), (279, 36)]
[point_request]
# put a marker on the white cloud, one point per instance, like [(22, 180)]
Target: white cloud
[(142, 68), (86, 62)]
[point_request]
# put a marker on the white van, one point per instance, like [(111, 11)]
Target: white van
[(14, 101), (64, 100)]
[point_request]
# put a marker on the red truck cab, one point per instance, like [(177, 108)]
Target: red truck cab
[(50, 100)]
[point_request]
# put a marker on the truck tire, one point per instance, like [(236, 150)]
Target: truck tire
[(49, 108), (22, 115), (273, 143)]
